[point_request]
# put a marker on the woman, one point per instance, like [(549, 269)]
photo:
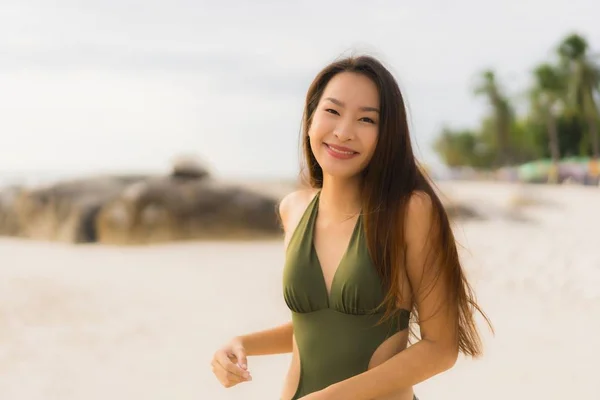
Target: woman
[(367, 245)]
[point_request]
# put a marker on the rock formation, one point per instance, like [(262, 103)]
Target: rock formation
[(9, 221), (185, 204), (167, 209), (66, 211)]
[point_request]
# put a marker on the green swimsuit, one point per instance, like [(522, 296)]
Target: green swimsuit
[(337, 333)]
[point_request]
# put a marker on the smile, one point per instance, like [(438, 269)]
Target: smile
[(338, 152)]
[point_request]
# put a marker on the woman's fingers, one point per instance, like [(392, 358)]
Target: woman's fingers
[(226, 378), (230, 366), (227, 371), (240, 354)]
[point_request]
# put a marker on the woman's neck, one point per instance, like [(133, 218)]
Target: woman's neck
[(340, 199)]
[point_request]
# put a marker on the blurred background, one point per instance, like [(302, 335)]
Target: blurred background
[(144, 147)]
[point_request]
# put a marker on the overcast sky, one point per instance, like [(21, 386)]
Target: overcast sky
[(122, 84)]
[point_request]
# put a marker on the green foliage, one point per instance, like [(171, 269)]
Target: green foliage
[(459, 148), (562, 117)]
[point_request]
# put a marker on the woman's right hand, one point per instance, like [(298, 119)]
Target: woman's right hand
[(229, 364)]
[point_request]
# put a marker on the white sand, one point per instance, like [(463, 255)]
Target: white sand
[(93, 322)]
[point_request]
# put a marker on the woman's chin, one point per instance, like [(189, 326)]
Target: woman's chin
[(340, 172)]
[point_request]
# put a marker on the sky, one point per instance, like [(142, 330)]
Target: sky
[(118, 85)]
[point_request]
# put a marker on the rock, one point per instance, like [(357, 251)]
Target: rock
[(66, 211), (9, 221), (185, 204), (460, 211), (185, 167), (167, 209), (457, 207)]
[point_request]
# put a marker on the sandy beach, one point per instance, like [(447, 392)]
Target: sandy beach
[(101, 322)]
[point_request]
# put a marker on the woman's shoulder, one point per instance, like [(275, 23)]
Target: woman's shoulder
[(293, 205), (419, 204), (418, 215)]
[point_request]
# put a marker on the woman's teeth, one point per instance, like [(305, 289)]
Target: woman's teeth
[(341, 151)]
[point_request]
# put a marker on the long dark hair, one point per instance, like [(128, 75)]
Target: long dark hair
[(390, 179)]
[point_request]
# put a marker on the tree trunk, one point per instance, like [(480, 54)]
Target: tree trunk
[(504, 156), (594, 136), (554, 147), (595, 165), (591, 114)]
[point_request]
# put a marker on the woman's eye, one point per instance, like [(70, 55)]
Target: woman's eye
[(331, 111), (367, 119)]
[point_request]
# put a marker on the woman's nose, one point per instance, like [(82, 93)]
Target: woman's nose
[(344, 131)]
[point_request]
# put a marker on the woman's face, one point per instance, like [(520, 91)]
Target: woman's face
[(345, 125)]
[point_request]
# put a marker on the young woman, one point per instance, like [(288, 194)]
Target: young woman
[(367, 245)]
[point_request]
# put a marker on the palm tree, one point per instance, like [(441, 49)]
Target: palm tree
[(502, 113), (583, 84), (546, 97)]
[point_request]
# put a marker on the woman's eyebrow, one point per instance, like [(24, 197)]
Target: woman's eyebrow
[(341, 104)]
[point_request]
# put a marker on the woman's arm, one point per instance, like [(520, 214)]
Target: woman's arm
[(230, 363), (437, 351), (279, 339), (276, 340)]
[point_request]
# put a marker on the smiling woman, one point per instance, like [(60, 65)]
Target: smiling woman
[(367, 245), (348, 129)]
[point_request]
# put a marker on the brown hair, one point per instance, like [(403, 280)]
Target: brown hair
[(389, 180)]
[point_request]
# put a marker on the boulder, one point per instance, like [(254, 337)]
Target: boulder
[(188, 167), (9, 221), (66, 211), (169, 209), (462, 211)]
